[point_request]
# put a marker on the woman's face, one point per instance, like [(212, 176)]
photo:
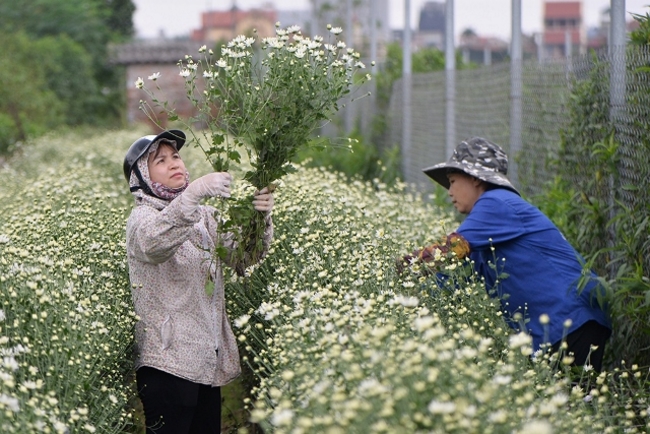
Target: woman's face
[(166, 166), (464, 191)]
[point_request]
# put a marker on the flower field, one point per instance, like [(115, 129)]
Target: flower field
[(339, 342)]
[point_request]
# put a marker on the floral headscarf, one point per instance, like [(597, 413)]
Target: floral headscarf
[(159, 190)]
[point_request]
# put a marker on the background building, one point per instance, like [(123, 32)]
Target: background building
[(563, 31), (221, 26), (431, 26)]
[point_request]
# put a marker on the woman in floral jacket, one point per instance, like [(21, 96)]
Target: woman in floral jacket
[(186, 349)]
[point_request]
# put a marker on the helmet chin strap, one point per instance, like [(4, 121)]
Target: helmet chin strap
[(143, 185)]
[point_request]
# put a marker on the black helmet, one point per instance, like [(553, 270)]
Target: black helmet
[(141, 146)]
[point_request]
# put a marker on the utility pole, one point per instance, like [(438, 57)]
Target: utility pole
[(515, 91), (406, 94), (450, 77)]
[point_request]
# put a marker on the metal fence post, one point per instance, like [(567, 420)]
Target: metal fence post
[(406, 95), (515, 90), (450, 77), (617, 86)]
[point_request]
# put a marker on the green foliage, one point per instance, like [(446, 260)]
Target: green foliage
[(68, 69), (604, 214), (423, 61), (357, 160), (27, 105), (65, 57), (641, 35)]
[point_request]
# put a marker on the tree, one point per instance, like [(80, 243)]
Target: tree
[(27, 106), (86, 24)]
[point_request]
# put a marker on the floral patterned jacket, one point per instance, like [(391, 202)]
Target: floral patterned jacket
[(181, 329)]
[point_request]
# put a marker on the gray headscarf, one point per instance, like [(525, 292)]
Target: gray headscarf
[(159, 190)]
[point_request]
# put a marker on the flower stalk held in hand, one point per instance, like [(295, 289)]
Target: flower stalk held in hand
[(265, 97)]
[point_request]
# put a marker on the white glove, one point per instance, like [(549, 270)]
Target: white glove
[(210, 185), (263, 200)]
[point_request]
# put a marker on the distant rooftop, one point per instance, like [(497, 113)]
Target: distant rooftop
[(152, 51)]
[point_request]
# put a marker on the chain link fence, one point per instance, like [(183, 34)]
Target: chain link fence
[(483, 107)]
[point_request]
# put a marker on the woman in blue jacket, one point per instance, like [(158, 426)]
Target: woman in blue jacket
[(543, 270)]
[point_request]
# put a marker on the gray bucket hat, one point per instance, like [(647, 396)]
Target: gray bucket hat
[(477, 157)]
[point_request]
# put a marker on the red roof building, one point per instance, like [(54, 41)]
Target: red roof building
[(223, 26), (563, 25)]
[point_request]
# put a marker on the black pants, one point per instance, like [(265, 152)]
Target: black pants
[(173, 405), (580, 341)]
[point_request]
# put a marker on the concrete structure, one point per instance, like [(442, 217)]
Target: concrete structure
[(144, 58)]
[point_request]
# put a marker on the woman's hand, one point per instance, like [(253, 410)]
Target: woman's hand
[(216, 184), (263, 200)]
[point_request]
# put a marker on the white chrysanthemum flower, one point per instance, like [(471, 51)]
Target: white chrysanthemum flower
[(293, 29), (537, 427), (371, 387), (268, 310), (242, 321), (312, 45), (407, 301), (10, 402), (423, 323), (221, 63), (155, 76), (10, 362), (336, 30), (139, 83), (282, 417), (203, 49), (32, 385), (499, 416), (441, 407), (520, 340), (341, 44), (502, 380), (184, 72), (330, 47)]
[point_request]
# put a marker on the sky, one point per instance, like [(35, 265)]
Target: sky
[(485, 17)]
